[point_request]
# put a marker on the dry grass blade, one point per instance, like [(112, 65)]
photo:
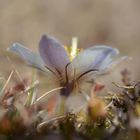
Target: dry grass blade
[(14, 68), (34, 85), (5, 85), (125, 87), (46, 123)]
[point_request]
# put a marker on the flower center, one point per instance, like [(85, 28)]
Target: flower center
[(68, 89)]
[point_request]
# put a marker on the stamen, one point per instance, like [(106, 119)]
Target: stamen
[(66, 71), (58, 72), (86, 73), (51, 71)]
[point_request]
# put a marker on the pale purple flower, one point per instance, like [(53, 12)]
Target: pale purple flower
[(53, 58)]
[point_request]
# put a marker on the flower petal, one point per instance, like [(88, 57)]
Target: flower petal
[(114, 63), (53, 53), (106, 57), (31, 58), (96, 57)]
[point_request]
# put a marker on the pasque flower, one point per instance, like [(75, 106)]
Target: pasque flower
[(53, 58)]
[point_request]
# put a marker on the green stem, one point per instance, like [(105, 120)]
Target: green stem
[(31, 92), (62, 105)]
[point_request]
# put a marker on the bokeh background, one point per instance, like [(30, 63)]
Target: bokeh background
[(110, 22)]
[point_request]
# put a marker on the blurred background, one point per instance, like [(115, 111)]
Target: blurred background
[(111, 22)]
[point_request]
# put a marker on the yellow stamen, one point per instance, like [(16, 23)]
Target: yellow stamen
[(73, 50)]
